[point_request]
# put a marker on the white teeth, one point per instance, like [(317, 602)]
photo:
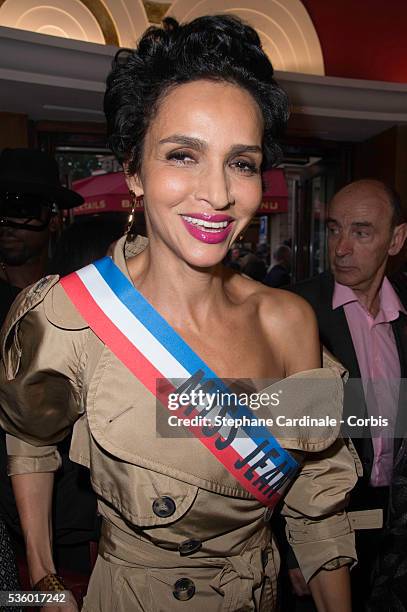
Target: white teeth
[(207, 224)]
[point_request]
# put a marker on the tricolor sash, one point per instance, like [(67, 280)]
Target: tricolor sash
[(153, 352)]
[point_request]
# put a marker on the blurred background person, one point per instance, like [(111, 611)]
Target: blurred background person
[(278, 274), (252, 265), (30, 193), (232, 258)]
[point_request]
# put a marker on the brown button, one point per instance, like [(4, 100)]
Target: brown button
[(184, 589), (189, 547), (164, 506)]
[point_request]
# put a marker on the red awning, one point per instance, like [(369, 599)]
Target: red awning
[(109, 193), (103, 193), (275, 195)]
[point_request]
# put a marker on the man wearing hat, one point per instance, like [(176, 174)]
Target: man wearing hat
[(31, 197)]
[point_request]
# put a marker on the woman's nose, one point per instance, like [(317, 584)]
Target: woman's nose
[(214, 188)]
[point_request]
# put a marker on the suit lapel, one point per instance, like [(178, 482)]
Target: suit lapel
[(400, 334), (335, 330), (336, 336)]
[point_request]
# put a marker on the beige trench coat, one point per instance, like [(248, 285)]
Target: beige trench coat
[(178, 531)]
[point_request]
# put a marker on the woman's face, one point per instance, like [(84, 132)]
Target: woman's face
[(200, 171)]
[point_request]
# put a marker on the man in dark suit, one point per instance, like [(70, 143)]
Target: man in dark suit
[(363, 321)]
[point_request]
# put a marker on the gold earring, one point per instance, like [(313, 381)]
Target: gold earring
[(132, 214)]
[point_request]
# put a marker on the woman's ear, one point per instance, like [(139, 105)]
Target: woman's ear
[(133, 182)]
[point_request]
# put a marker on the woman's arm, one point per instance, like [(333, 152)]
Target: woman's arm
[(331, 590), (33, 494)]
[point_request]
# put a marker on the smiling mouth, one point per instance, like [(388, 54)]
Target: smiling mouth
[(209, 229), (206, 225)]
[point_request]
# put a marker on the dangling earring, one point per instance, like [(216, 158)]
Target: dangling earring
[(131, 219)]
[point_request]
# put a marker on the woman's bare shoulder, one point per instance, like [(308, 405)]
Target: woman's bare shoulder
[(272, 303), (286, 321)]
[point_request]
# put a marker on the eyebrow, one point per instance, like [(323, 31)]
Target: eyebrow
[(362, 224), (187, 141), (354, 223), (200, 145), (242, 148)]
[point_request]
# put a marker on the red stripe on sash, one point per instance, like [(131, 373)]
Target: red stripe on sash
[(109, 333)]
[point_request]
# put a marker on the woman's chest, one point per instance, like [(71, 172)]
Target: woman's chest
[(237, 349)]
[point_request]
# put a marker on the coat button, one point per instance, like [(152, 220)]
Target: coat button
[(164, 506), (189, 547), (184, 589)]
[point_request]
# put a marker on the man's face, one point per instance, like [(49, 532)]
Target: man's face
[(361, 236), (19, 245)]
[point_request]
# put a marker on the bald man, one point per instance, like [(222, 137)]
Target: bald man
[(362, 320)]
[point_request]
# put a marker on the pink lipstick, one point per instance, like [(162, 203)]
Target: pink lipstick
[(211, 229)]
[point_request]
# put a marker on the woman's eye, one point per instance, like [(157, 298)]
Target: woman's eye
[(181, 157), (245, 167)]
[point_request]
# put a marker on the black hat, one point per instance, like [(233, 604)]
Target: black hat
[(36, 172)]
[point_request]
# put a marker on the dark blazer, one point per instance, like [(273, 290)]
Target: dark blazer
[(335, 335)]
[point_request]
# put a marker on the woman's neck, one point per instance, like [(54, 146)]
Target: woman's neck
[(179, 291)]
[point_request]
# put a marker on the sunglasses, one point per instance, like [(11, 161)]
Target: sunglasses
[(25, 205)]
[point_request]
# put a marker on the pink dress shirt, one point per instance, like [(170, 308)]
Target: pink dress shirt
[(379, 366)]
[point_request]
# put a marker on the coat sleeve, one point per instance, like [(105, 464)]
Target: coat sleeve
[(317, 525), (26, 458), (318, 528), (41, 390)]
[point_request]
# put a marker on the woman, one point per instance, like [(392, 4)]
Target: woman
[(192, 114)]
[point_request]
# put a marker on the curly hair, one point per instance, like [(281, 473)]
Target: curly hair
[(220, 48)]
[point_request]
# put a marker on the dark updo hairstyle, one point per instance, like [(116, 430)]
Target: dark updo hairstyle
[(218, 48)]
